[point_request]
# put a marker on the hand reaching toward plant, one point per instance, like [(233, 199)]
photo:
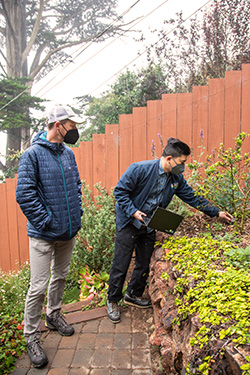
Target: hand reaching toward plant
[(225, 216)]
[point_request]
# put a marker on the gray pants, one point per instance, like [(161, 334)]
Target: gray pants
[(47, 258)]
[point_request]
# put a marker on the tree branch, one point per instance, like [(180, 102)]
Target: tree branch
[(35, 71), (36, 67), (37, 57), (34, 32), (64, 32)]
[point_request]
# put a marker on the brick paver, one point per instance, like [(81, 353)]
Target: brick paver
[(98, 347)]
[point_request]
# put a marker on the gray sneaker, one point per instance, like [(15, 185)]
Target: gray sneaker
[(36, 353), (113, 312), (59, 324)]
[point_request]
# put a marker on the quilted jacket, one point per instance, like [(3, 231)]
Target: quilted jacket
[(49, 190), (136, 183)]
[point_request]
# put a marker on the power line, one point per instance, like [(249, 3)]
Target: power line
[(143, 18), (119, 71), (12, 100), (96, 37), (88, 45), (136, 56), (124, 67)]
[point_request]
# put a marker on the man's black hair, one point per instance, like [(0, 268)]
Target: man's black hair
[(176, 148)]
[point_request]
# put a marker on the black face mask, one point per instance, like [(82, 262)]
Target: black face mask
[(178, 168), (71, 136)]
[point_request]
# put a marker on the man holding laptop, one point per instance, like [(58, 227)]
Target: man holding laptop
[(144, 187)]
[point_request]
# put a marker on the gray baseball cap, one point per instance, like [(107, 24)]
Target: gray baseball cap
[(59, 113)]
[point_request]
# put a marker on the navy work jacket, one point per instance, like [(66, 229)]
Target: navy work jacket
[(135, 185)]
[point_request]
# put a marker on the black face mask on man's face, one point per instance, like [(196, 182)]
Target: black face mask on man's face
[(71, 136), (178, 168)]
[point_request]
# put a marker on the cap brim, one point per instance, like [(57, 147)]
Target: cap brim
[(76, 119)]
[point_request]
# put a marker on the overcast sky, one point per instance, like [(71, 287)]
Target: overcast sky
[(98, 66)]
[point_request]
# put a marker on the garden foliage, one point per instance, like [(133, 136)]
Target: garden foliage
[(95, 240), (93, 286), (13, 287), (195, 49), (224, 179), (214, 286), (217, 267)]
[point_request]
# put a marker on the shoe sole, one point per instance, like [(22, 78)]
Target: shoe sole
[(40, 366), (135, 305), (55, 329), (114, 321)]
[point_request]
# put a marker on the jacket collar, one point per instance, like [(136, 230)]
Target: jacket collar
[(40, 138)]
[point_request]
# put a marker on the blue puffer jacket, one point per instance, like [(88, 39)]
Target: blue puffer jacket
[(49, 190), (136, 183)]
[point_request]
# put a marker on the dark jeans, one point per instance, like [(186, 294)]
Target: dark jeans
[(128, 239)]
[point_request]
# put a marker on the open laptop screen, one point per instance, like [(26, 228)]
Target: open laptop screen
[(163, 220)]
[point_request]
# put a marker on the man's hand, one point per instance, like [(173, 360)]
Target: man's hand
[(138, 215), (225, 216)]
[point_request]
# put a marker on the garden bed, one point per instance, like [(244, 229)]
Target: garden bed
[(173, 340)]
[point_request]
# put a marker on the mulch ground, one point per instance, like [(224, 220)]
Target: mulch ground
[(199, 223)]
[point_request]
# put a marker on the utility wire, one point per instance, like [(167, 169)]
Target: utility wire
[(144, 50), (87, 46), (137, 57), (13, 99), (96, 37), (124, 67), (143, 18)]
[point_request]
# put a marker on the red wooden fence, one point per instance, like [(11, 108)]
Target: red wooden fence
[(221, 110)]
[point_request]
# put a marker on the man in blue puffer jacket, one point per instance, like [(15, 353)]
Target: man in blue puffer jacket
[(141, 189), (49, 194)]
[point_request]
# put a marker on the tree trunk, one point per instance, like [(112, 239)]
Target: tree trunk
[(16, 37)]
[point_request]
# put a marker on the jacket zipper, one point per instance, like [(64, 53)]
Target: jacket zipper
[(66, 195)]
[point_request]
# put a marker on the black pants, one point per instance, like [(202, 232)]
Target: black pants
[(128, 239)]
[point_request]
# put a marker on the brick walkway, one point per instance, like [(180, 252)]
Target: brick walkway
[(98, 346)]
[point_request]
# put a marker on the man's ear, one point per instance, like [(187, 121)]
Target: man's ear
[(168, 158), (57, 124)]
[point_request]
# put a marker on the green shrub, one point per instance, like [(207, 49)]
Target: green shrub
[(13, 287), (95, 240), (226, 180)]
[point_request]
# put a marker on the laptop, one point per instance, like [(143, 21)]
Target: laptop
[(163, 220)]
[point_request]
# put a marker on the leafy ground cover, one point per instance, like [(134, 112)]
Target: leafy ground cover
[(216, 259), (197, 225)]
